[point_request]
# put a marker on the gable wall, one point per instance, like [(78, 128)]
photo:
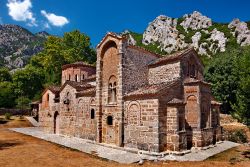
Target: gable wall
[(164, 73), (135, 69)]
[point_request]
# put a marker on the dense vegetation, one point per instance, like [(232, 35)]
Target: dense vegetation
[(18, 89)]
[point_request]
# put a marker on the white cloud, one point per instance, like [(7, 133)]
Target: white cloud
[(55, 20), (21, 11)]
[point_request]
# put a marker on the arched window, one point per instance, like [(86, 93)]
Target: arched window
[(192, 71), (83, 77), (92, 114), (76, 78), (69, 77), (112, 91), (134, 113), (110, 120), (47, 97)]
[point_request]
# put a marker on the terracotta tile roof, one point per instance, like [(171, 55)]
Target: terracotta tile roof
[(54, 89), (175, 101), (77, 85), (144, 50), (214, 102), (77, 64), (195, 81), (87, 92), (168, 58), (152, 89)]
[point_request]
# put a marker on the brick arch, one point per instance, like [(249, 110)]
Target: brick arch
[(134, 113), (192, 112), (80, 108), (108, 45), (92, 102)]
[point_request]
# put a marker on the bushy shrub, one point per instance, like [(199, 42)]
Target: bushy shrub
[(7, 116), (238, 136)]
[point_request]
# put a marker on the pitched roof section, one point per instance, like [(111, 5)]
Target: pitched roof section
[(176, 101), (53, 89), (192, 81), (169, 58), (88, 92), (77, 85), (77, 64), (151, 90)]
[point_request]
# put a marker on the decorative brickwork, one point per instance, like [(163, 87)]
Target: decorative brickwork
[(134, 99)]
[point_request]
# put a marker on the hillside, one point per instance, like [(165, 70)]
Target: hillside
[(17, 45), (166, 35)]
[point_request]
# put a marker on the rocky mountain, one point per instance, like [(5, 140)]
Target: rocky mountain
[(17, 45), (166, 35)]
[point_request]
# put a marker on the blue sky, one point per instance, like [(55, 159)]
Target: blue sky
[(96, 17)]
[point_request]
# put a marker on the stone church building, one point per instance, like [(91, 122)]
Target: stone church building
[(134, 99)]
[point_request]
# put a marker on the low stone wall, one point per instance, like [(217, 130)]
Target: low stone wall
[(15, 111)]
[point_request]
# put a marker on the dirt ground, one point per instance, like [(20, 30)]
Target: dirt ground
[(25, 151)]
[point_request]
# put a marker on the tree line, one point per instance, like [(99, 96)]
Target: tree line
[(25, 85)]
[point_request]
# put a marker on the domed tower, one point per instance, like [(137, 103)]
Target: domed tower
[(77, 72)]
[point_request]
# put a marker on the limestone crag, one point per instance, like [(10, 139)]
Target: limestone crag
[(196, 21), (196, 30), (241, 32), (218, 38), (163, 31)]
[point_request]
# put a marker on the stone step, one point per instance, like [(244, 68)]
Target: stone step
[(32, 121)]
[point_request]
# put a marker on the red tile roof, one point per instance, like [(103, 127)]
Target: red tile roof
[(53, 89), (168, 58), (87, 92), (152, 89), (77, 64), (175, 101), (77, 85)]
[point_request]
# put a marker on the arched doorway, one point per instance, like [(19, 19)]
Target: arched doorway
[(56, 123)]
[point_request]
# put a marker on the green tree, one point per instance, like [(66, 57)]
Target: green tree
[(223, 74), (73, 46), (28, 82), (5, 75), (23, 102), (7, 95), (242, 106)]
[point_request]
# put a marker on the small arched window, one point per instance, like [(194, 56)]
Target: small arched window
[(192, 71), (76, 78), (92, 114), (47, 97), (112, 90), (110, 120), (69, 77), (83, 76)]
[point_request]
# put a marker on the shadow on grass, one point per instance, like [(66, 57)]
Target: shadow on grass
[(8, 144)]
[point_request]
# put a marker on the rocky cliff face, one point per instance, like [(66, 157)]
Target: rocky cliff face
[(196, 30), (17, 45)]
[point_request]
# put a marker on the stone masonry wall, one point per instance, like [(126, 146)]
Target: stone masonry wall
[(135, 69), (85, 125), (164, 73), (141, 125), (67, 112)]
